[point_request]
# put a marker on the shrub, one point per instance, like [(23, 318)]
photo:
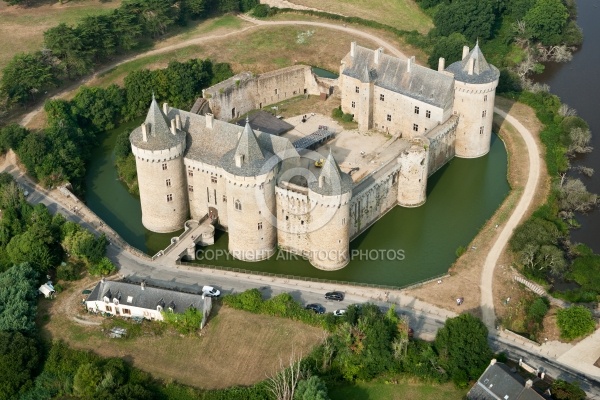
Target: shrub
[(563, 390), (68, 271), (574, 322), (261, 11), (348, 117), (188, 322), (102, 267), (337, 113)]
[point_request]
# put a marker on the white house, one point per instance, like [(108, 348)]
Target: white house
[(138, 300)]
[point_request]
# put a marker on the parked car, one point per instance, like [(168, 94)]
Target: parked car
[(317, 308), (337, 296), (210, 291), (339, 313)]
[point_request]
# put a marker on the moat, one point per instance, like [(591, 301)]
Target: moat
[(407, 245)]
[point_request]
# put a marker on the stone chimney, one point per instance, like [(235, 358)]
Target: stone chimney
[(178, 122), (209, 120), (465, 52), (352, 49), (409, 64), (165, 108), (441, 64), (321, 181), (143, 285), (493, 361), (528, 384), (471, 66), (144, 132), (173, 127), (378, 54)]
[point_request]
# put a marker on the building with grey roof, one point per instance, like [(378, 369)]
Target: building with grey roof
[(498, 382), (138, 300), (266, 195)]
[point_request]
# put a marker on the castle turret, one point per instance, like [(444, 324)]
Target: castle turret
[(329, 232), (474, 95), (412, 178), (251, 198), (158, 151)]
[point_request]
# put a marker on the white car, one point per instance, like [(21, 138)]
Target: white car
[(210, 291), (340, 312)]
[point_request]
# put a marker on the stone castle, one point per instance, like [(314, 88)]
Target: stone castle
[(261, 187)]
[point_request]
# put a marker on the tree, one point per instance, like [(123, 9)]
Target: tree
[(474, 19), (574, 322), (536, 231), (102, 268), (26, 247), (86, 380), (450, 48), (25, 76), (99, 108), (563, 390), (11, 136), (312, 388), (18, 297), (546, 20), (574, 196), (282, 383), (463, 348), (65, 44), (18, 361), (580, 141)]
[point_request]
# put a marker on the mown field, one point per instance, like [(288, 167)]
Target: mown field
[(22, 28), (401, 389)]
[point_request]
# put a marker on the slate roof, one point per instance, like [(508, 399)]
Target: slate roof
[(217, 146), (148, 298), (335, 182), (498, 382), (391, 73), (267, 122), (482, 71), (159, 134)]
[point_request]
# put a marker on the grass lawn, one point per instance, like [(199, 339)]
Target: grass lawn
[(235, 348), (22, 28), (258, 50), (401, 14), (402, 390)]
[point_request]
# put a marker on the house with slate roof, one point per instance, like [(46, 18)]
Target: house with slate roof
[(133, 300), (260, 188), (498, 382)]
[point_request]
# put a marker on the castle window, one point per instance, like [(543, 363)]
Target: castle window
[(108, 309), (190, 173), (168, 182), (276, 91), (389, 117), (481, 130), (213, 179), (224, 199), (238, 205), (357, 89), (485, 98), (260, 226), (287, 217), (343, 221), (381, 97), (164, 166), (190, 188), (416, 110), (416, 127), (484, 113), (169, 197), (353, 105), (428, 113)]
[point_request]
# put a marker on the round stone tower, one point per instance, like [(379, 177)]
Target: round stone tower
[(329, 221), (412, 178), (475, 83), (158, 151), (250, 198)]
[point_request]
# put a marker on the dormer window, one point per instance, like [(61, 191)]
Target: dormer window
[(116, 301), (159, 308), (106, 300)]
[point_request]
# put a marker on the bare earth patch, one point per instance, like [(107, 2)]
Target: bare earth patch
[(465, 274), (236, 347)]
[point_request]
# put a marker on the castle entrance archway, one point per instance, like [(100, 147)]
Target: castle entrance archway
[(213, 214)]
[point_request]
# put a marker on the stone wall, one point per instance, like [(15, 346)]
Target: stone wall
[(293, 218), (414, 166), (441, 144), (209, 194), (245, 92)]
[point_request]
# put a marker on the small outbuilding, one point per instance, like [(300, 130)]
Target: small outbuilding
[(47, 290)]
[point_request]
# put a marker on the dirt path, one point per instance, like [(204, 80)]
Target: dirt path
[(198, 40), (486, 285)]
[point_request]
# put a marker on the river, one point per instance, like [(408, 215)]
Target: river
[(406, 246), (577, 83)]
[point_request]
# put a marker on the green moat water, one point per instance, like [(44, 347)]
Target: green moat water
[(461, 197)]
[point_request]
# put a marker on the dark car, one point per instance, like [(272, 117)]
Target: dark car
[(317, 308), (337, 296)]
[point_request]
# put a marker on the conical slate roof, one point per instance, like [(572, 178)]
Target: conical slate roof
[(248, 146), (332, 181), (159, 136), (482, 71), (155, 120)]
